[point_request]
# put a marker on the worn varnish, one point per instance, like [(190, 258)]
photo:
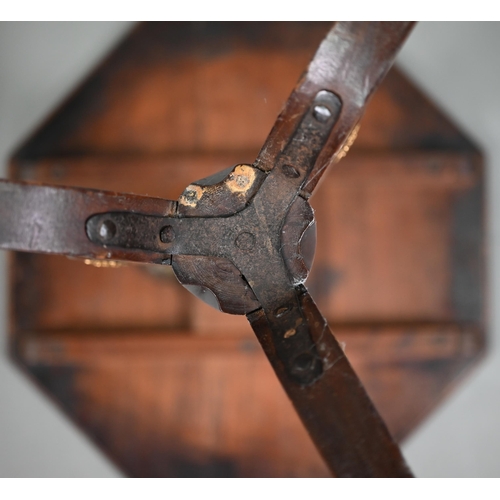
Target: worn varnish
[(398, 269)]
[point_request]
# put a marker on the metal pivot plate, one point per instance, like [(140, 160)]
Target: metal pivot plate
[(256, 245)]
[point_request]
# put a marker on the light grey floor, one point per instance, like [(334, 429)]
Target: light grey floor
[(457, 64)]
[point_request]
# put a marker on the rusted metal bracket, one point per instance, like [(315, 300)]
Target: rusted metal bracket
[(261, 239)]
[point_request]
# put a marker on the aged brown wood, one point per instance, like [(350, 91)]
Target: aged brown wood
[(398, 308)]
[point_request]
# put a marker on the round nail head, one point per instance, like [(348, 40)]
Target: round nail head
[(107, 230), (321, 113), (167, 234)]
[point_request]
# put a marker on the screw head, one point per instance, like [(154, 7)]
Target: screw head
[(190, 195), (306, 368), (167, 234), (321, 113), (240, 180), (303, 362), (107, 230)]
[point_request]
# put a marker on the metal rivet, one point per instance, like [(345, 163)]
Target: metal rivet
[(167, 234), (321, 113), (290, 171), (245, 241), (303, 362), (107, 230)]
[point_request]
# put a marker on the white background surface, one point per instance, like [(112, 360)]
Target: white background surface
[(457, 64)]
